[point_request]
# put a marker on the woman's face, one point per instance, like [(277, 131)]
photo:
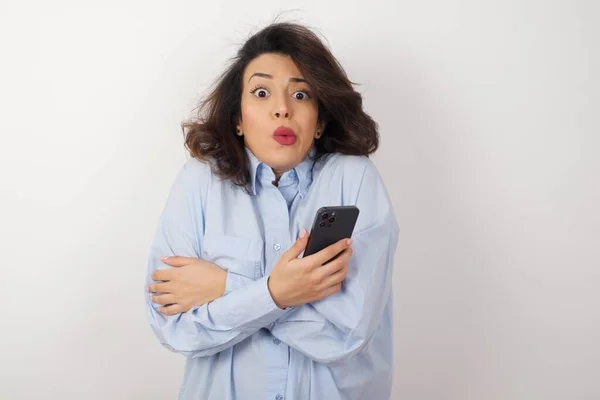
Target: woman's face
[(279, 119)]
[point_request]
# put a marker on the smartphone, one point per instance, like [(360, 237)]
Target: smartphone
[(331, 225)]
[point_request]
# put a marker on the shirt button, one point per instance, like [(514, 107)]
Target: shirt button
[(277, 341), (279, 397), (277, 246)]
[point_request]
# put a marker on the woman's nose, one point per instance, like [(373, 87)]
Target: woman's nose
[(285, 114), (281, 109)]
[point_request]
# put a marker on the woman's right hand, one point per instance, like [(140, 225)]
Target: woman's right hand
[(295, 281)]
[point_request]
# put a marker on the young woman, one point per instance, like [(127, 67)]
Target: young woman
[(282, 135)]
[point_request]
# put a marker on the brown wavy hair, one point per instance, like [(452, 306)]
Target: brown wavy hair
[(211, 136)]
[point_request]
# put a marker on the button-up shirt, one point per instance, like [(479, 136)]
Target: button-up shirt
[(242, 346)]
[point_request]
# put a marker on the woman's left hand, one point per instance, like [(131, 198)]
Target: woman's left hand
[(193, 282)]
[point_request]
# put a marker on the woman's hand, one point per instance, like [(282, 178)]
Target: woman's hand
[(295, 281), (193, 282)]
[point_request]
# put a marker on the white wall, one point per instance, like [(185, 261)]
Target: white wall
[(489, 116)]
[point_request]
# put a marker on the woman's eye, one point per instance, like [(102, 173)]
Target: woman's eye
[(301, 95), (260, 92)]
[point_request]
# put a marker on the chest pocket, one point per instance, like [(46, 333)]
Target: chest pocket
[(241, 255)]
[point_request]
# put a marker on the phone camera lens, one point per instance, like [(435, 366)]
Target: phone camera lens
[(331, 220), (325, 216), (322, 224)]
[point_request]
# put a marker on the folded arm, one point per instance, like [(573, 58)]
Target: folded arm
[(214, 326), (340, 326)]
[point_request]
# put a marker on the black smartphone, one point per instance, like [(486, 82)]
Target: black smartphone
[(331, 225)]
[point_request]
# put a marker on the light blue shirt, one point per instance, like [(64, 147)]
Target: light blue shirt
[(242, 346)]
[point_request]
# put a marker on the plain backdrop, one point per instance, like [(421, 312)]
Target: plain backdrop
[(489, 120)]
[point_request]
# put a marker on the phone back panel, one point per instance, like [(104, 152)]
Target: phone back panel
[(331, 225)]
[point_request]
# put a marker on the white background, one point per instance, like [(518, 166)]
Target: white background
[(489, 117)]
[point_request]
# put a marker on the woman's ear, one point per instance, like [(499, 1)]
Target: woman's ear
[(239, 130), (320, 128)]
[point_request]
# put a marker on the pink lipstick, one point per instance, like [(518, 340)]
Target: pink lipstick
[(284, 136)]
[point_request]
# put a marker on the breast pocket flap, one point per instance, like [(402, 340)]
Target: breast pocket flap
[(236, 253)]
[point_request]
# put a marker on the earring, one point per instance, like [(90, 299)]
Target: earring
[(239, 132), (318, 135)]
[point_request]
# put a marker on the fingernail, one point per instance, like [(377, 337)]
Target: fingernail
[(303, 234), (349, 242), (164, 258)]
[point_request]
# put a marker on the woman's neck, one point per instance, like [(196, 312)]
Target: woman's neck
[(277, 177), (279, 173)]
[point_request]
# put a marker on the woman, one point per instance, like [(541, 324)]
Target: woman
[(282, 135)]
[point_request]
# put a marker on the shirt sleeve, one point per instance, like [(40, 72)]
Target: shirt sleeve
[(212, 327), (235, 281), (340, 326)]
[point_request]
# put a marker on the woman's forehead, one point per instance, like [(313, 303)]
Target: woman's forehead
[(273, 66)]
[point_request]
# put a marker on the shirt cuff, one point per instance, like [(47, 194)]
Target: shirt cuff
[(235, 281), (258, 313)]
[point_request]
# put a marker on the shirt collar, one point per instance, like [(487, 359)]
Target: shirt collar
[(302, 170)]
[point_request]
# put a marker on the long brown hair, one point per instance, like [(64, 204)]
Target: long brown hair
[(211, 136)]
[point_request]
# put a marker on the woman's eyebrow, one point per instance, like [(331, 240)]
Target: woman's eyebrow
[(262, 75), (269, 76)]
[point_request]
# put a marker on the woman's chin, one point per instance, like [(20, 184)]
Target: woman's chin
[(282, 164)]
